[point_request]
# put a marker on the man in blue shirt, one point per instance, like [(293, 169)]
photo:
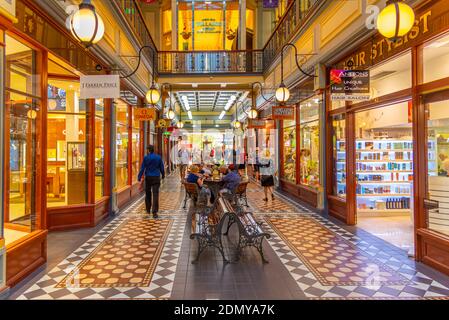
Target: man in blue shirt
[(153, 168), (231, 180)]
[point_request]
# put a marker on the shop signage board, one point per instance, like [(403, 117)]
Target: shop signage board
[(256, 124), (283, 113), (350, 84), (8, 9), (163, 123), (144, 114), (430, 20), (100, 87)]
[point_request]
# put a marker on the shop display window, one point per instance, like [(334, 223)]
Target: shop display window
[(392, 76), (99, 149), (289, 135), (66, 144), (121, 165), (339, 155), (436, 59), (384, 161), (438, 165), (135, 141), (309, 172), (22, 109)]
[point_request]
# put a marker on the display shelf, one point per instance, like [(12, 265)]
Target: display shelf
[(384, 195), (383, 213), (383, 182), (385, 171)]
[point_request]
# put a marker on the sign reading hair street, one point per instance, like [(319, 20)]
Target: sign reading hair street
[(144, 114), (100, 87), (283, 113), (350, 84)]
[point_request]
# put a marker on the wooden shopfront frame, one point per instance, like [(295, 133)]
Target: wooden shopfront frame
[(432, 21), (28, 253), (131, 190), (298, 190)]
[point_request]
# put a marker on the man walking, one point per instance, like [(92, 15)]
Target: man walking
[(184, 158), (153, 168)]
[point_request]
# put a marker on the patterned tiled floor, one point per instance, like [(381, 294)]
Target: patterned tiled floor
[(311, 257)]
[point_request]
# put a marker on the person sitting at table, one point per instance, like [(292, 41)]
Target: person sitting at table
[(231, 180), (196, 177), (205, 171)]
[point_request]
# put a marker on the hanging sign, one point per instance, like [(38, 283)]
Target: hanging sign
[(270, 4), (163, 123), (100, 87), (144, 114), (283, 113), (351, 85), (256, 124)]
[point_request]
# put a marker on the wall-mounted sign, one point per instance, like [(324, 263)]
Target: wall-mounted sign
[(100, 87), (283, 113), (144, 114), (8, 9), (350, 84), (163, 123), (256, 124)]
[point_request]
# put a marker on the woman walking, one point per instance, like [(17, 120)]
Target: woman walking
[(266, 169)]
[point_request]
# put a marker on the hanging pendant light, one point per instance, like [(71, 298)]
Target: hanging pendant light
[(395, 20), (86, 24), (282, 93), (171, 114), (253, 113), (153, 95)]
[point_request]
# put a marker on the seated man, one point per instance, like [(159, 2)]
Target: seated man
[(231, 180)]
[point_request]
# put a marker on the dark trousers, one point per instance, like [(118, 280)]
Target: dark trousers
[(152, 185)]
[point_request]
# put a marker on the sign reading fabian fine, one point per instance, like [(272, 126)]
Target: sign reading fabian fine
[(283, 113), (100, 87)]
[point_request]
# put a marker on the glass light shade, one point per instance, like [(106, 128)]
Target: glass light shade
[(83, 25), (282, 94), (386, 20), (153, 96), (180, 124), (252, 114), (31, 114), (237, 124), (171, 114)]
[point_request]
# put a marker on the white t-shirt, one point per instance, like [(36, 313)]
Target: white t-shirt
[(183, 156)]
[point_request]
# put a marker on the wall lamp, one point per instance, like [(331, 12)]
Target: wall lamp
[(282, 93), (153, 95), (395, 20), (86, 24), (170, 113)]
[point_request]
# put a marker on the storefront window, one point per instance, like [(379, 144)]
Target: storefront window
[(289, 135), (310, 142), (438, 165), (121, 165), (392, 76), (210, 25), (66, 144), (99, 149), (135, 149), (436, 59), (384, 161), (339, 155)]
